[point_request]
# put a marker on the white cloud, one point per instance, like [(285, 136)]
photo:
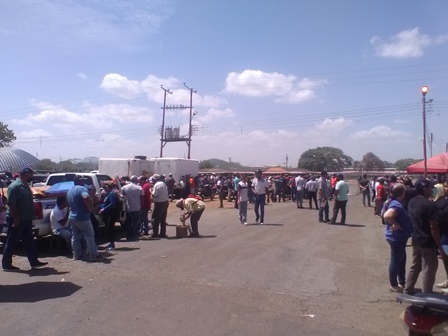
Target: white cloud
[(121, 86), (406, 44), (91, 116), (82, 75), (151, 86), (36, 133), (380, 133), (286, 88), (215, 114), (337, 124), (70, 25)]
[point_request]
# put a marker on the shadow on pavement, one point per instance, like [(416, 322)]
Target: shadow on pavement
[(351, 225), (37, 291), (264, 224), (126, 249), (44, 272), (176, 238)]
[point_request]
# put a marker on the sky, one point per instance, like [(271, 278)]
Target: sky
[(270, 79)]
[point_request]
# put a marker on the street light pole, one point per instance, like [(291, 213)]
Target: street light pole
[(424, 91)]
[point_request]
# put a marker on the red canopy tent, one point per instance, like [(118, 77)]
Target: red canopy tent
[(435, 165)]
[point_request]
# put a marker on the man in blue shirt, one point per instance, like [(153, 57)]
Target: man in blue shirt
[(81, 204)]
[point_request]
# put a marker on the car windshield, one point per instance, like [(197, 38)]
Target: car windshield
[(69, 177), (103, 178)]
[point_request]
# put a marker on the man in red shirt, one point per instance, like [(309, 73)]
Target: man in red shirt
[(146, 204), (381, 197), (192, 186)]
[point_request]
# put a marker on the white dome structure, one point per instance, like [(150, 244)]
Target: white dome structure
[(14, 159)]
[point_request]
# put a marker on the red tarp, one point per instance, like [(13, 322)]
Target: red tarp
[(435, 165)]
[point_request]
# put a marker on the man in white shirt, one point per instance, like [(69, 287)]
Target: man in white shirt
[(260, 189), (161, 203), (312, 186), (134, 196), (59, 220), (243, 199), (300, 184)]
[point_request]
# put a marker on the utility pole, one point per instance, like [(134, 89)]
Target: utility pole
[(431, 138), (162, 132), (424, 91), (191, 119), (286, 161)]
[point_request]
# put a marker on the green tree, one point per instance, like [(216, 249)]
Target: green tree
[(402, 164), (371, 162), (356, 165), (7, 136), (206, 164), (46, 165), (324, 158)]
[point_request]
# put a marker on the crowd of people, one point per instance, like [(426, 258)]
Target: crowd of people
[(407, 210), (411, 210)]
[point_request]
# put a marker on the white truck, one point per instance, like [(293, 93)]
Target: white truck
[(125, 167), (177, 167), (43, 206)]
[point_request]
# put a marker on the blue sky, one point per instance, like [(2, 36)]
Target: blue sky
[(82, 78)]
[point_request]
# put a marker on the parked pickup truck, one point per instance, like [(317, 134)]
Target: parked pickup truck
[(44, 205)]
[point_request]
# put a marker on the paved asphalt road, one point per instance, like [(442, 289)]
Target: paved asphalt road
[(292, 276)]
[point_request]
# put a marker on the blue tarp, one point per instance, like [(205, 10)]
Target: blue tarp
[(60, 188)]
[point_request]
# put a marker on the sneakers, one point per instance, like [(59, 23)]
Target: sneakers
[(39, 264), (96, 258), (396, 289), (10, 268), (442, 284), (110, 247), (245, 223), (261, 223)]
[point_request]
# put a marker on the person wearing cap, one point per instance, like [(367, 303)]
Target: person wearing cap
[(260, 189), (426, 243), (161, 203), (81, 206), (19, 219), (194, 209), (134, 197)]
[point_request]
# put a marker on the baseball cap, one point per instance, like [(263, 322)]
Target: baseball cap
[(79, 178), (423, 183), (26, 170), (133, 178), (180, 203)]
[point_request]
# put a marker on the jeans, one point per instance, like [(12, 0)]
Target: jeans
[(83, 229), (159, 214), (132, 222), (324, 209), (110, 218), (65, 233), (397, 264), (23, 232), (144, 220), (312, 195), (221, 199), (423, 259), (194, 221), (243, 211), (299, 198), (293, 194), (339, 205), (366, 194), (260, 201)]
